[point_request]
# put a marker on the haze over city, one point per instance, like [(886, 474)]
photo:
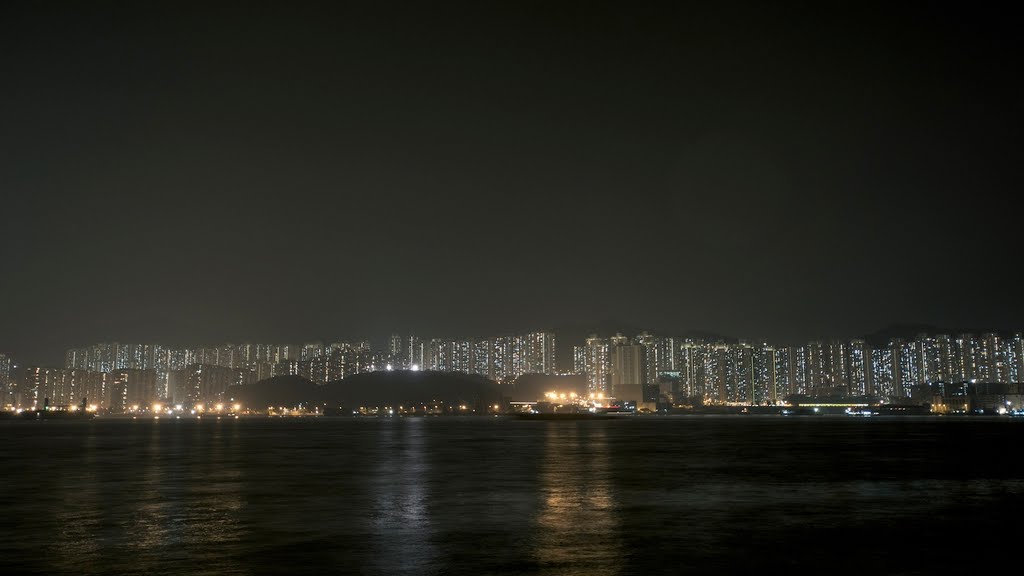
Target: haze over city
[(193, 173)]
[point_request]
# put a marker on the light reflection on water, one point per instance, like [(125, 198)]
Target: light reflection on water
[(78, 513), (401, 522), (576, 523), (487, 496)]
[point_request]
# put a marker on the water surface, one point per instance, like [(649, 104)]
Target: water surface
[(641, 495)]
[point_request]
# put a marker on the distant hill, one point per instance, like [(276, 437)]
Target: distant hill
[(405, 387), (276, 391), (398, 388)]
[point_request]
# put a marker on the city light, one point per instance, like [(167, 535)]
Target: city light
[(963, 373)]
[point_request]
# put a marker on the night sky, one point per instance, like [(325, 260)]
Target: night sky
[(198, 173)]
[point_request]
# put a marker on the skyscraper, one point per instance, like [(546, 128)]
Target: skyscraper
[(627, 372), (482, 358), (579, 360), (965, 357), (416, 359), (538, 353), (132, 387), (1015, 357), (398, 352), (783, 373), (5, 380), (502, 358), (659, 355), (993, 354), (859, 368), (883, 374), (597, 365)]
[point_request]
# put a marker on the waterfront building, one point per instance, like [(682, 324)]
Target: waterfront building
[(6, 366), (859, 368), (597, 365), (132, 387), (627, 372)]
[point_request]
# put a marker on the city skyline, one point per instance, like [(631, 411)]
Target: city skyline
[(510, 287), (643, 368)]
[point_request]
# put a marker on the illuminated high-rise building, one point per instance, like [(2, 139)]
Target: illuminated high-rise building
[(132, 387), (503, 358), (398, 352), (328, 366), (5, 381), (415, 354), (965, 357), (537, 353), (483, 358), (932, 361), (944, 351), (858, 368), (716, 373), (77, 358), (263, 370), (689, 365), (993, 354), (738, 381), (60, 387), (180, 359), (908, 368), (91, 387), (783, 373), (579, 359), (627, 372), (817, 378), (763, 386), (207, 384), (1015, 358), (659, 354), (649, 343), (799, 371), (883, 374), (102, 357), (434, 355), (282, 368), (311, 350), (836, 368), (461, 354), (597, 365)]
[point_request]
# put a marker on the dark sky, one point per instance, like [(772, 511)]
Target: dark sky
[(193, 173)]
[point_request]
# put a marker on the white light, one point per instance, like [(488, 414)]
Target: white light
[(389, 368), (415, 367)]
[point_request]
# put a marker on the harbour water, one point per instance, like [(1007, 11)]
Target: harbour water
[(476, 495)]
